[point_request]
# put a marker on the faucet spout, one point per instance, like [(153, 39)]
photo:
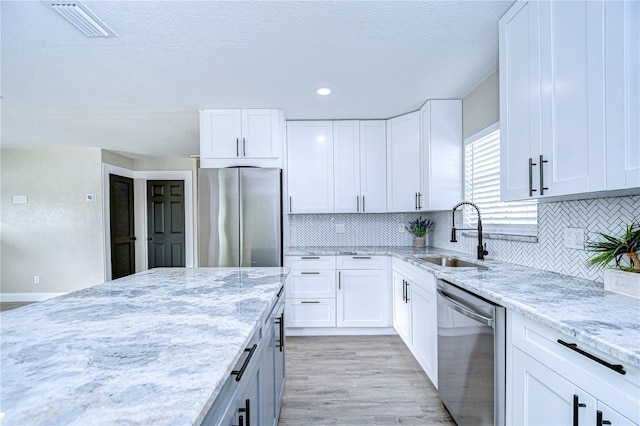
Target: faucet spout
[(481, 248)]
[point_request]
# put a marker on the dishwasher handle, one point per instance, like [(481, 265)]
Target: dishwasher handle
[(446, 298)]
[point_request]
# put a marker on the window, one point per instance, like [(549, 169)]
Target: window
[(482, 187)]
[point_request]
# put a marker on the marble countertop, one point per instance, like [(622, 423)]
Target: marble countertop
[(580, 308), (151, 348)]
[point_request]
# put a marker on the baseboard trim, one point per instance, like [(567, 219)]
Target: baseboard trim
[(27, 297), (335, 331)]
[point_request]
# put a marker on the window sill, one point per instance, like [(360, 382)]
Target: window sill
[(506, 237)]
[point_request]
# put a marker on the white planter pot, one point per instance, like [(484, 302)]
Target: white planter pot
[(627, 283)]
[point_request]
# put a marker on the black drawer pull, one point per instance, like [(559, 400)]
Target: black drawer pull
[(574, 347), (310, 257), (239, 373), (309, 273), (304, 301), (361, 257), (280, 292)]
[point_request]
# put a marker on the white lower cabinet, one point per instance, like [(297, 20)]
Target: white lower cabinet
[(549, 383), (363, 298), (415, 314)]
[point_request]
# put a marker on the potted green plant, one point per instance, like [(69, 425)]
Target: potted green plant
[(625, 276), (419, 228)]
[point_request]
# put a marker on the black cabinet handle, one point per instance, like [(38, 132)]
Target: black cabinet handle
[(404, 290), (599, 420), (574, 347), (240, 421), (237, 147), (247, 410), (244, 154), (576, 405), (363, 204), (239, 373), (542, 187), (309, 273), (531, 164), (416, 202), (280, 322), (280, 292), (339, 280), (361, 257), (315, 301), (310, 257), (406, 300)]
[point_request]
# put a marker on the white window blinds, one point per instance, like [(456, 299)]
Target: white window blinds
[(482, 187)]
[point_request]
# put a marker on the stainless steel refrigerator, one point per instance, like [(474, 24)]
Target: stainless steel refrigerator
[(240, 217)]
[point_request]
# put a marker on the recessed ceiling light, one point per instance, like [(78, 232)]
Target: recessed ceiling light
[(323, 91)]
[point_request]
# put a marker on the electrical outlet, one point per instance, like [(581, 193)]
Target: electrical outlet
[(36, 279), (400, 227), (574, 238), (339, 228)]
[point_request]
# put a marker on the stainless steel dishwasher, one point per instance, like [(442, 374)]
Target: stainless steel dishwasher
[(471, 356)]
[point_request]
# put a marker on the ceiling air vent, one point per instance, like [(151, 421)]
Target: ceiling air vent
[(83, 19)]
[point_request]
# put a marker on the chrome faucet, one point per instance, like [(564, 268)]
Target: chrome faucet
[(482, 248)]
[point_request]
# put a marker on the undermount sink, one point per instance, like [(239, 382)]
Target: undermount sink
[(451, 262)]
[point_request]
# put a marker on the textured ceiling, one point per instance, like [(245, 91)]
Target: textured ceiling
[(139, 93)]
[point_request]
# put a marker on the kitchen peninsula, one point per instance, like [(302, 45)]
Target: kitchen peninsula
[(153, 348)]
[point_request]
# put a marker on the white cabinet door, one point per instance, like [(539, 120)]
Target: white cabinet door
[(424, 330), (542, 397), (363, 299), (571, 35), (622, 103), (310, 172), (310, 313), (346, 154), (401, 308), (373, 166), (221, 133), (519, 57), (403, 162), (311, 284), (259, 133), (441, 154)]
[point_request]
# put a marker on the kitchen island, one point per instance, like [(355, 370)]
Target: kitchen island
[(152, 348)]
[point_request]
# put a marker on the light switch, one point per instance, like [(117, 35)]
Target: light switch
[(574, 238), (19, 199)]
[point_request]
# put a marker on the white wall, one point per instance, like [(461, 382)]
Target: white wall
[(57, 234)]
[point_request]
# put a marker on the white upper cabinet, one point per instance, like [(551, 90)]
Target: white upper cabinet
[(360, 166), (573, 150), (346, 154), (622, 89), (519, 99), (310, 166), (373, 166), (241, 137), (441, 154), (569, 99), (403, 162)]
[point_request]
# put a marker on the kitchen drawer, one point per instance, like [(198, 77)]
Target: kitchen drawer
[(315, 284), (541, 343), (362, 262), (310, 312), (310, 263)]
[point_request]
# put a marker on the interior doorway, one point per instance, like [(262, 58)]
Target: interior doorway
[(122, 226), (166, 223)]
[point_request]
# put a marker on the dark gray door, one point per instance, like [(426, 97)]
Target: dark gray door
[(165, 209), (121, 218)]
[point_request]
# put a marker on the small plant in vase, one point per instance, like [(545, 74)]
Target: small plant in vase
[(610, 248), (419, 228)]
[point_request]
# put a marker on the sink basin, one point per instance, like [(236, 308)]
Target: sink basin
[(451, 262)]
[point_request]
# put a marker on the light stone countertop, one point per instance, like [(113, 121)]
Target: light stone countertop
[(580, 308), (151, 348)]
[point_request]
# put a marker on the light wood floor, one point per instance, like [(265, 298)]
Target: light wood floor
[(6, 306), (357, 380)]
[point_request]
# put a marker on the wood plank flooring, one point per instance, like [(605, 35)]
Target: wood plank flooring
[(357, 380)]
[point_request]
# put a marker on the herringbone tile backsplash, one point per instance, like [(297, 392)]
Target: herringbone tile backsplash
[(607, 215)]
